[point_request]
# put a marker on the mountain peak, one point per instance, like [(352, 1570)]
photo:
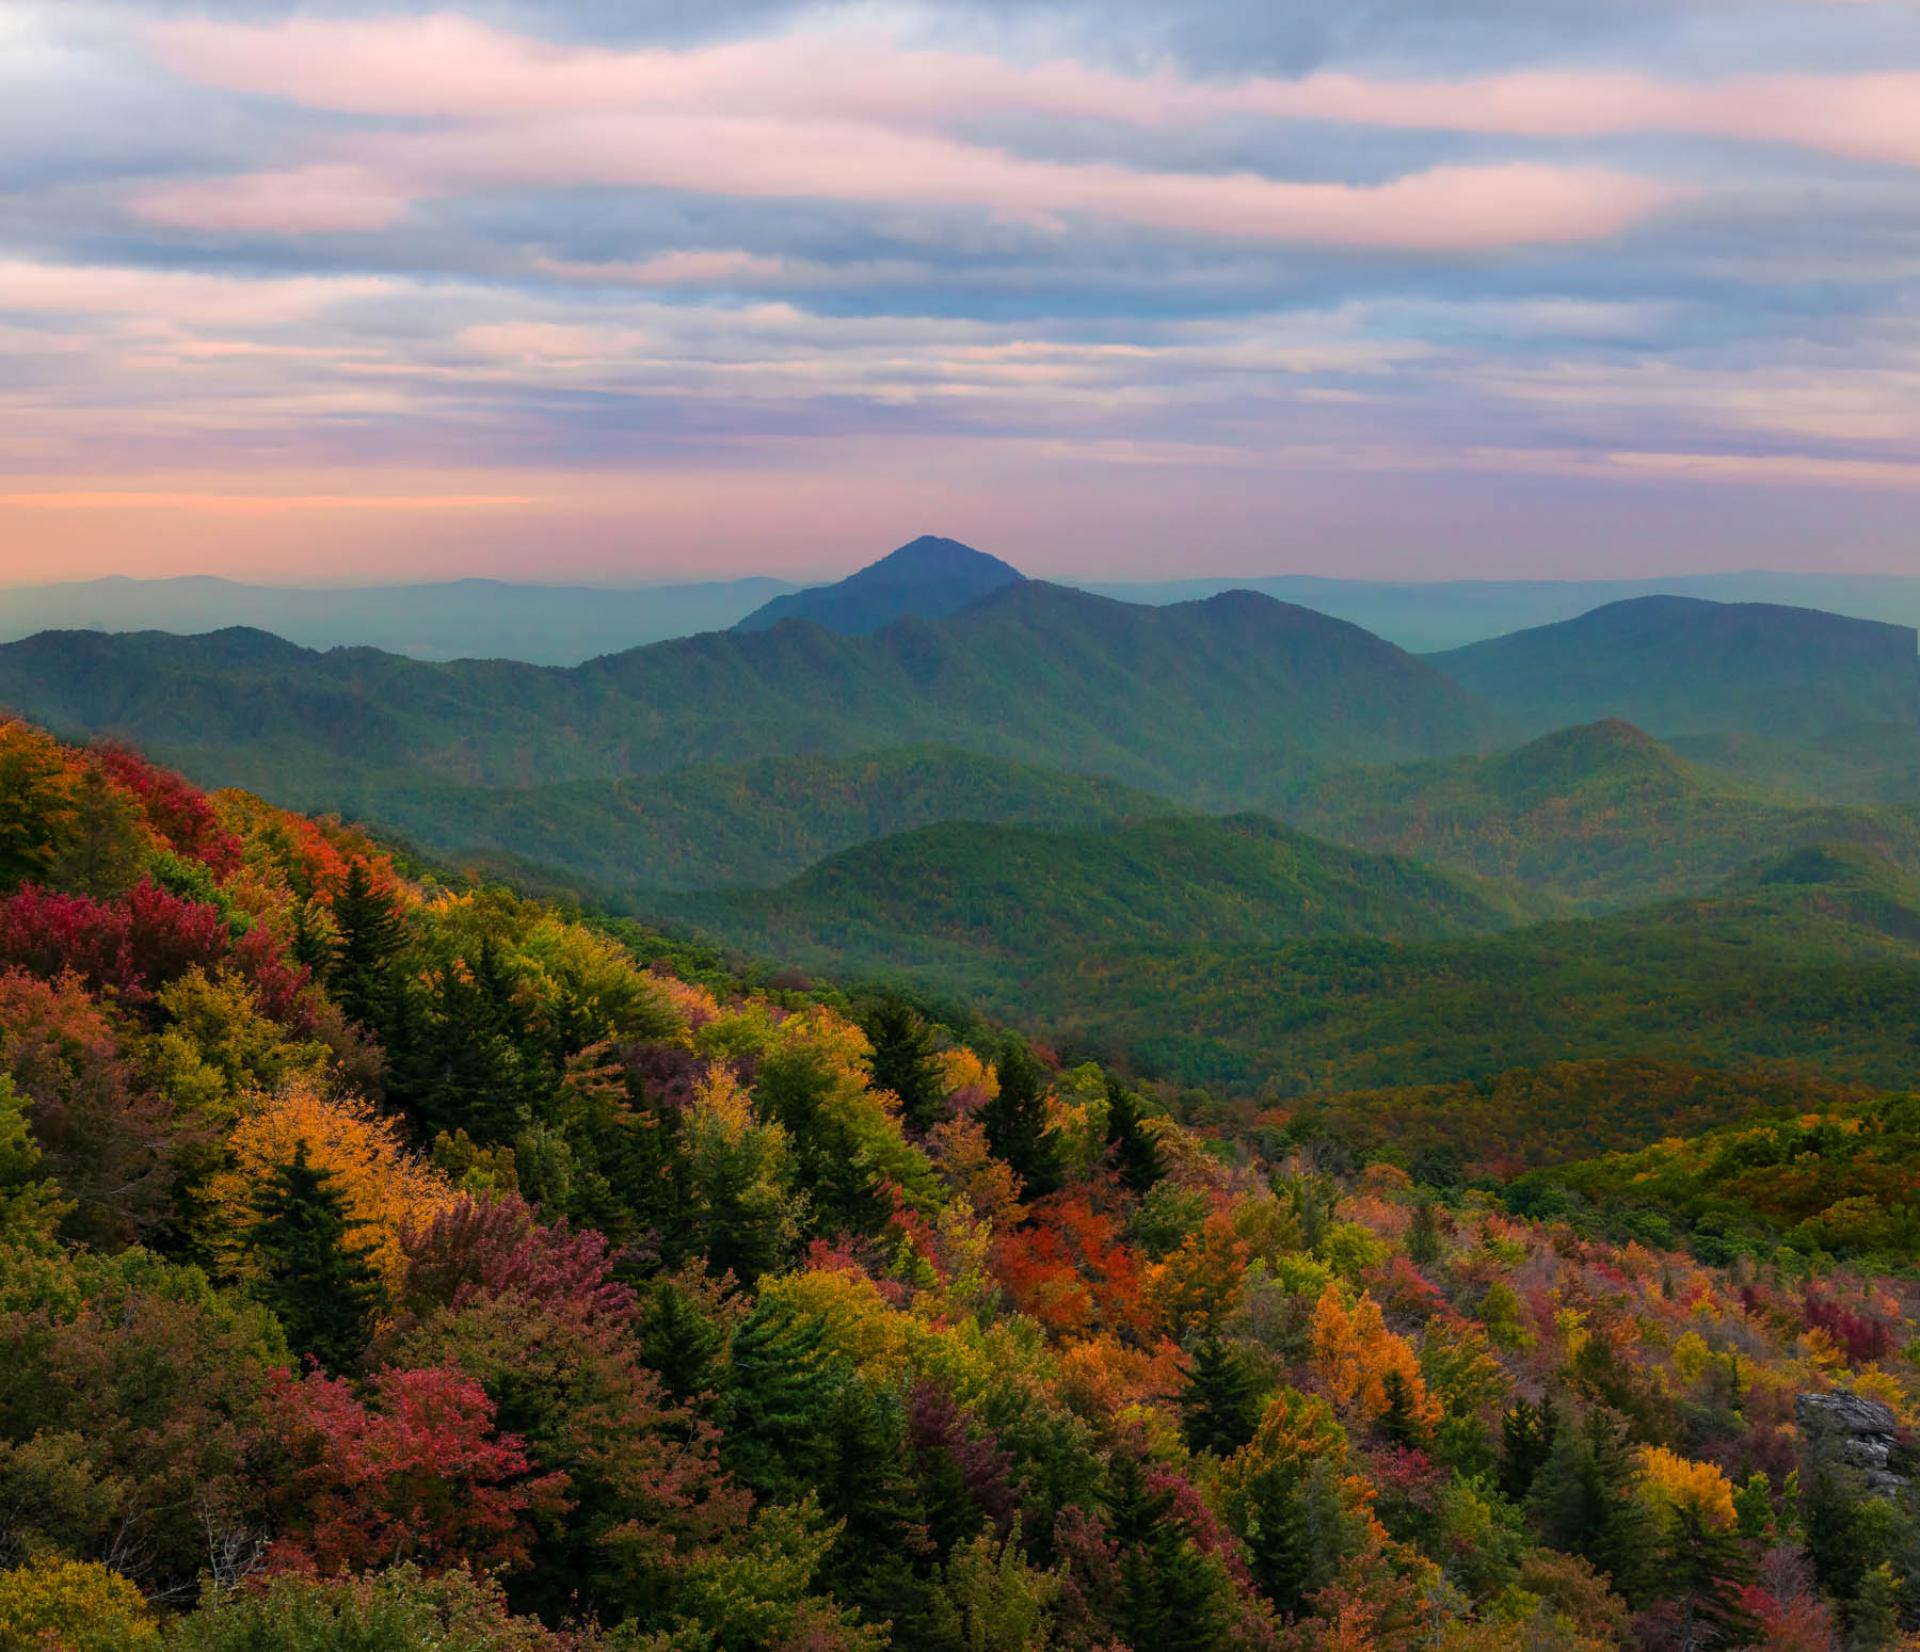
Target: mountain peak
[(926, 578), (932, 554)]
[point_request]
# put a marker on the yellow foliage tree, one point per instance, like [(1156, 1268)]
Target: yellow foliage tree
[(382, 1183), (1354, 1354), (966, 1164), (72, 1606), (1672, 1485)]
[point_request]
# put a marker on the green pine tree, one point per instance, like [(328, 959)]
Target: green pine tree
[(310, 945), (1398, 1424), (481, 1067), (1526, 1440), (882, 1560), (1016, 1121), (1583, 1502), (370, 936), (906, 1061), (1172, 1593), (681, 1344), (782, 1402), (1423, 1234), (1222, 1399), (1703, 1571), (1136, 1155), (322, 1289)]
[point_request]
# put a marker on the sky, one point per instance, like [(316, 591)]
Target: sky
[(610, 290)]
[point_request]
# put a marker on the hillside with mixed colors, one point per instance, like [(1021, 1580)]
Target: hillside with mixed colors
[(392, 1262)]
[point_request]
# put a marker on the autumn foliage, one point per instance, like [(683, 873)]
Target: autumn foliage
[(396, 1262)]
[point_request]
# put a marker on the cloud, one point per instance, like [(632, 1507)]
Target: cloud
[(446, 67), (302, 200), (176, 295), (255, 504), (825, 115), (724, 275)]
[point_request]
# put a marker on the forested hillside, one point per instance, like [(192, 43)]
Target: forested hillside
[(1201, 700), (1602, 813), (1679, 665), (392, 1264), (978, 903), (1864, 763), (1815, 960), (720, 824)]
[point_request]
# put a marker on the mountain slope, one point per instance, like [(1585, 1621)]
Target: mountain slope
[(1866, 763), (978, 899), (928, 578), (1204, 700), (1815, 959), (1678, 665), (715, 825), (1601, 813)]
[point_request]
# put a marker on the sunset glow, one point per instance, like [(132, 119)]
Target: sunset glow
[(358, 291)]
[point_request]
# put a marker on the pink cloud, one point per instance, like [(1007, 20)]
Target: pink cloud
[(1446, 209), (255, 504), (304, 200), (450, 67), (179, 296), (804, 116), (673, 269)]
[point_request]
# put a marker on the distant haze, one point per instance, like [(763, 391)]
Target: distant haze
[(563, 625)]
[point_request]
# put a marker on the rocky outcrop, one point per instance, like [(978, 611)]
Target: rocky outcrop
[(1864, 1432)]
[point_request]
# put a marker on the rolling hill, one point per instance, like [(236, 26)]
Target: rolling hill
[(715, 825), (1491, 1128), (1205, 700), (1679, 665), (1813, 959), (928, 578), (1866, 763), (983, 903), (1602, 813)]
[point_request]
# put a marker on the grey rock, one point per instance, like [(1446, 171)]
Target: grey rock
[(1865, 1432)]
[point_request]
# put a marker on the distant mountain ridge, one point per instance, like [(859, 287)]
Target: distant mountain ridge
[(1683, 666), (1205, 701), (928, 578), (447, 620), (567, 624), (1815, 958)]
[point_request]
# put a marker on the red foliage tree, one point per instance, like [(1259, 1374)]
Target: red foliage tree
[(491, 1246), (1862, 1337), (1071, 1268), (424, 1477), (179, 812), (131, 946), (280, 986)]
